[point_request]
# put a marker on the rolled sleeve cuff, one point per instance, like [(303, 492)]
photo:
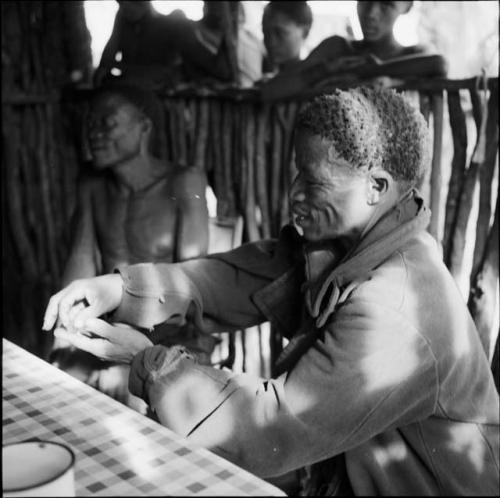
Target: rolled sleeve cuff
[(155, 293), (181, 392)]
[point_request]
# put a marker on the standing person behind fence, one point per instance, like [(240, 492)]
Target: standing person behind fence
[(159, 51), (142, 47), (135, 209), (377, 59), (285, 26)]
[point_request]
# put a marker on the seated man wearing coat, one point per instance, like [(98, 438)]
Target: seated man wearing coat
[(384, 387)]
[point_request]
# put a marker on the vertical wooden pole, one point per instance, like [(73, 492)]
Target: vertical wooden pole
[(436, 175), (458, 165)]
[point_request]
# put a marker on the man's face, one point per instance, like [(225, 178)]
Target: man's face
[(328, 199), (114, 129), (283, 38), (377, 18)]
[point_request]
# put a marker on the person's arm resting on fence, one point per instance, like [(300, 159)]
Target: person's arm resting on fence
[(334, 58)]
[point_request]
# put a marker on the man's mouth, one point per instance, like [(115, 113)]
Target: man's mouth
[(301, 216), (370, 30), (98, 148)]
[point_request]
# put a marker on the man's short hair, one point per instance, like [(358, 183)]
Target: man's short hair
[(372, 128), (299, 12), (145, 101)]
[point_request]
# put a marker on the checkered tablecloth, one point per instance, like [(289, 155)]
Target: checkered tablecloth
[(118, 451)]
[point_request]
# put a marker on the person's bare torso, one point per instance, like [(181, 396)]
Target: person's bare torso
[(133, 227)]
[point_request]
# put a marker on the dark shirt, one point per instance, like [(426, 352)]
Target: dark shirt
[(149, 41)]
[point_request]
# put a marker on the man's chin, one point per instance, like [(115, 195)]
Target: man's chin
[(371, 36), (310, 235)]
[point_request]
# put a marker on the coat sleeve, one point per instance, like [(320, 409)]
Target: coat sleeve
[(368, 371), (214, 292)]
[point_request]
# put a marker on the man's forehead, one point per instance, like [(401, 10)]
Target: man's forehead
[(307, 143), (312, 148), (109, 102)]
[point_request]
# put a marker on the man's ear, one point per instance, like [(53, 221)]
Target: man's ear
[(380, 182), (147, 125)]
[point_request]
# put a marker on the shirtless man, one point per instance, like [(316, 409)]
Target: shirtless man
[(376, 59), (135, 208)]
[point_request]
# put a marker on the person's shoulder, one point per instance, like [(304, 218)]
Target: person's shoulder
[(186, 172), (415, 50), (335, 40), (333, 46), (188, 180)]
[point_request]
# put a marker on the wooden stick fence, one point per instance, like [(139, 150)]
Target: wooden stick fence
[(245, 146)]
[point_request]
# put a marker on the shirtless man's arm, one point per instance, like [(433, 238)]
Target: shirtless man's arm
[(192, 222)]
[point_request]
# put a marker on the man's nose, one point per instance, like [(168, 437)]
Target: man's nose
[(373, 11), (95, 132), (297, 193)]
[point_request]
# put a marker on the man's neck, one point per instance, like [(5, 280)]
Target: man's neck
[(290, 63), (137, 173)]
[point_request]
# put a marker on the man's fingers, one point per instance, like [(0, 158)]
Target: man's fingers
[(72, 296), (98, 327), (52, 311), (64, 335), (95, 346), (88, 313)]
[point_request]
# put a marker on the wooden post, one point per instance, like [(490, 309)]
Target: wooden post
[(486, 174), (457, 244), (459, 134), (483, 295), (436, 178), (227, 148), (230, 25), (261, 180)]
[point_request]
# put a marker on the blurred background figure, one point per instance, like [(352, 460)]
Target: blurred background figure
[(285, 26), (133, 208), (250, 52), (158, 51), (375, 59), (142, 47)]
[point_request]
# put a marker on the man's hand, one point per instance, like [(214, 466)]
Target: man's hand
[(114, 342), (112, 381), (83, 299)]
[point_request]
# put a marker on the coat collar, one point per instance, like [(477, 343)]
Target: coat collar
[(327, 273)]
